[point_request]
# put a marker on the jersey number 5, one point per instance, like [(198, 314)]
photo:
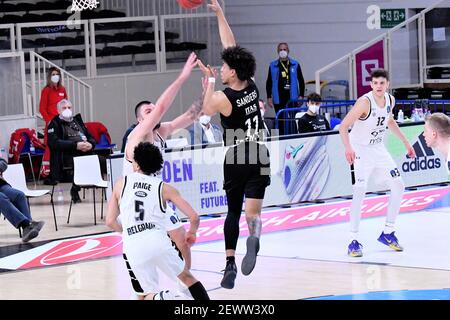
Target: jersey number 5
[(139, 209)]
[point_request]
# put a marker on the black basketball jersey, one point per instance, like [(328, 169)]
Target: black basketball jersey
[(245, 122)]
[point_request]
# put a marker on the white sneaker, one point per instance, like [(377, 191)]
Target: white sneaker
[(169, 295)]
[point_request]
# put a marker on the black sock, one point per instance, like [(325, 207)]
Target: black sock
[(198, 291), (230, 259), (24, 224)]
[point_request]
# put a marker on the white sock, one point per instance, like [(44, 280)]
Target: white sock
[(354, 236), (359, 193), (397, 188), (389, 228)]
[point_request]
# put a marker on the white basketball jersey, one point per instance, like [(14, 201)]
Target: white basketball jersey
[(142, 207), (372, 129), (127, 167)]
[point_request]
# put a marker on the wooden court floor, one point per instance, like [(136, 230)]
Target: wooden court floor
[(275, 277)]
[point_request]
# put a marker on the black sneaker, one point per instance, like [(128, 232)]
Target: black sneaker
[(229, 276), (249, 261), (75, 196), (50, 182), (29, 232), (37, 224)]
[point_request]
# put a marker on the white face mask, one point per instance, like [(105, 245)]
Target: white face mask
[(55, 79), (67, 114), (204, 119), (283, 54), (314, 108)]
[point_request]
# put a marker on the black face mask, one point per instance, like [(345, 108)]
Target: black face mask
[(157, 126)]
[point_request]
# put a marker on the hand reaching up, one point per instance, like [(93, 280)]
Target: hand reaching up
[(190, 64)]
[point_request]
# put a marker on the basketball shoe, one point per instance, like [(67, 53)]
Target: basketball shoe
[(390, 240), (249, 261), (168, 295), (355, 249), (229, 276)]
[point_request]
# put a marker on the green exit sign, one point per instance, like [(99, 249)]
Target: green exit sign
[(392, 17)]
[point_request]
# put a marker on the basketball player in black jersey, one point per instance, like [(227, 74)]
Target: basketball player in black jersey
[(246, 166)]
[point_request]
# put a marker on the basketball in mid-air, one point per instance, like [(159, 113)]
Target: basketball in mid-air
[(190, 4)]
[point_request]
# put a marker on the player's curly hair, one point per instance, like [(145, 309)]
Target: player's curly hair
[(148, 157), (241, 60)]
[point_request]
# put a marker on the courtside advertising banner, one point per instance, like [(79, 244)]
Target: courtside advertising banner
[(302, 169)]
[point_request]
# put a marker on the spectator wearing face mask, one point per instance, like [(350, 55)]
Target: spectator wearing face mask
[(204, 132), (68, 137), (52, 93), (285, 82), (312, 121)]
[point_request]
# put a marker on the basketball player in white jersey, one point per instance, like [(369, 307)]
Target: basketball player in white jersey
[(140, 199), (151, 129), (247, 161), (366, 153), (149, 116), (437, 135)]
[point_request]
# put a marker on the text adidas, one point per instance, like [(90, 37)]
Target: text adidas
[(418, 164)]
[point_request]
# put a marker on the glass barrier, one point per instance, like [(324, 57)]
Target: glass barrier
[(124, 45), (181, 34), (63, 43), (404, 59), (7, 38)]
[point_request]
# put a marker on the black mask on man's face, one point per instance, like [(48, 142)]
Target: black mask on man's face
[(157, 126)]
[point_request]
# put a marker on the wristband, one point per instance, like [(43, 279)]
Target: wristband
[(212, 80)]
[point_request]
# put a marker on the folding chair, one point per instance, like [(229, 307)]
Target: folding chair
[(15, 176), (87, 174)]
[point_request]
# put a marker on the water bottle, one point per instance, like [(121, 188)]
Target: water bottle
[(420, 114), (415, 115), (60, 197), (400, 116), (3, 154), (32, 148)]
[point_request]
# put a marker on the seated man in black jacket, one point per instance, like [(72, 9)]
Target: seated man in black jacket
[(68, 137), (312, 121)]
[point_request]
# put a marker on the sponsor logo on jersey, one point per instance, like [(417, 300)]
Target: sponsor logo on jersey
[(140, 194), (425, 158), (174, 219), (140, 227)]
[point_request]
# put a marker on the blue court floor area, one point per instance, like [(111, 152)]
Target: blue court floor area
[(442, 294)]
